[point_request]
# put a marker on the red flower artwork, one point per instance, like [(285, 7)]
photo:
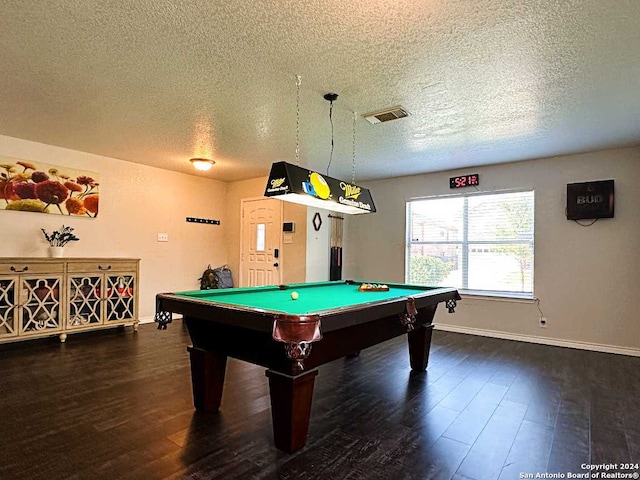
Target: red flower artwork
[(39, 177), (75, 206), (25, 189), (34, 187), (73, 186), (84, 180), (51, 192), (7, 190), (91, 203)]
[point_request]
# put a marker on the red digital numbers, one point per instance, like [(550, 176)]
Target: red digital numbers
[(464, 181)]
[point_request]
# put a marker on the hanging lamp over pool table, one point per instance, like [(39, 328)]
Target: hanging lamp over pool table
[(294, 183)]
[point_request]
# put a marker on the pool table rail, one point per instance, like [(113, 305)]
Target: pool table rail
[(232, 313)]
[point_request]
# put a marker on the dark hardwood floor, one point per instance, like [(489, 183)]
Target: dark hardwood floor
[(117, 405)]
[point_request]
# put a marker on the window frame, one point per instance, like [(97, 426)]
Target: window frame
[(493, 294)]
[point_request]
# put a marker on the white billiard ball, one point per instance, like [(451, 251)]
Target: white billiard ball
[(294, 295)]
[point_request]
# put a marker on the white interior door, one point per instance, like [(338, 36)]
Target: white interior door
[(260, 254)]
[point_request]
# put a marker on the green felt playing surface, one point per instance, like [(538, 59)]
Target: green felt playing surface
[(313, 297)]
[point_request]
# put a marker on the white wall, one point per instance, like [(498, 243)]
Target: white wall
[(136, 203), (586, 278)]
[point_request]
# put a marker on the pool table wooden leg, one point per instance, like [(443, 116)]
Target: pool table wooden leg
[(207, 378), (291, 408), (419, 346)]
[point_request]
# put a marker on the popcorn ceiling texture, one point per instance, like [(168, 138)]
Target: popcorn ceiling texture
[(158, 82)]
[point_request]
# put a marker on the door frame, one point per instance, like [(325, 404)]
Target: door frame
[(243, 203)]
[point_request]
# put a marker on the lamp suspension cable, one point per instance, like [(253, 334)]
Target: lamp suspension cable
[(353, 159), (331, 97), (332, 144), (298, 82)]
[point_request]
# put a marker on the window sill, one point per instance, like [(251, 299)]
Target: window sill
[(497, 296)]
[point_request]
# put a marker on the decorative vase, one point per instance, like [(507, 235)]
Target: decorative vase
[(56, 252)]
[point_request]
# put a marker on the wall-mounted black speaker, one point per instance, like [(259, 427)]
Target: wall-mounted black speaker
[(590, 200)]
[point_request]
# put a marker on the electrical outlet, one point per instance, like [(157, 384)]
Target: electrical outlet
[(543, 322), (163, 237)]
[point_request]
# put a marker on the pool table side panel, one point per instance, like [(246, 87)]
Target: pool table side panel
[(359, 314), (339, 343), (259, 347), (254, 320)]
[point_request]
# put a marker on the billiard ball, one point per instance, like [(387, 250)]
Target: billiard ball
[(294, 295)]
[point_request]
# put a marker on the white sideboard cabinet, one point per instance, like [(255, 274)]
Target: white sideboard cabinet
[(58, 296)]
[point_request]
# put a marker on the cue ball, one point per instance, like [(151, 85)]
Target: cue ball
[(294, 295)]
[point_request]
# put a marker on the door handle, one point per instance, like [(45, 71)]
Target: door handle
[(275, 264)]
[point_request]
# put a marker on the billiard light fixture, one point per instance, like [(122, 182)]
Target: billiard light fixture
[(202, 164), (296, 184)]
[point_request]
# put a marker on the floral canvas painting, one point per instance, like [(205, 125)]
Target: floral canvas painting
[(39, 187)]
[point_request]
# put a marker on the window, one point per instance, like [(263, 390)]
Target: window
[(260, 237), (481, 242)]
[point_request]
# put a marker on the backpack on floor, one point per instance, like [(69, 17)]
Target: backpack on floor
[(223, 276), (208, 279), (216, 278)]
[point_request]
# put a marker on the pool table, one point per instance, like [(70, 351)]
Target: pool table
[(292, 337)]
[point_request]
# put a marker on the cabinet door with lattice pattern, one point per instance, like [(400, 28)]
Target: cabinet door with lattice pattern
[(41, 304), (8, 307), (120, 300), (85, 304)]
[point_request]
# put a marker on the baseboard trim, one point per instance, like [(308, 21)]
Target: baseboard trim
[(596, 347)]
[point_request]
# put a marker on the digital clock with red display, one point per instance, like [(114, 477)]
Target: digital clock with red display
[(464, 181)]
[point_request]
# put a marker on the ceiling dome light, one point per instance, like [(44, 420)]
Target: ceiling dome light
[(202, 164)]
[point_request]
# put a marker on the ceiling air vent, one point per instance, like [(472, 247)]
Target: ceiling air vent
[(386, 115)]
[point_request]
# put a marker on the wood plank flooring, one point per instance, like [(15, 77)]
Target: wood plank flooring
[(117, 405)]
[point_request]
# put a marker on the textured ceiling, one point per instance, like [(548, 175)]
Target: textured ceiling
[(158, 82)]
